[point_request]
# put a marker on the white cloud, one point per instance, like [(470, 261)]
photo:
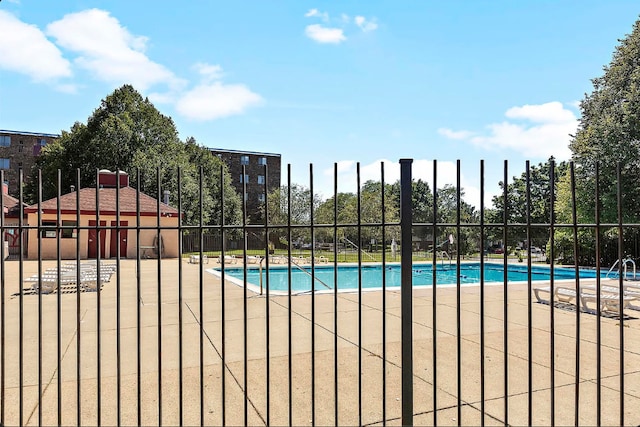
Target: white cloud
[(317, 14), (109, 50), (551, 112), (344, 166), (345, 18), (325, 34), (216, 100), (545, 132), (364, 24), (209, 72), (451, 134), (25, 49)]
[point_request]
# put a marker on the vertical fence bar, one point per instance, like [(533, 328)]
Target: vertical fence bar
[(482, 339), (21, 303), (267, 299), (313, 300), (289, 301), (223, 329), (159, 291), (180, 302), (138, 303), (359, 234), (59, 300), (434, 293), (552, 369), (529, 299), (118, 324), (574, 214), (3, 369), (406, 290), (98, 315), (335, 295), (244, 298), (621, 285), (40, 229), (505, 311), (201, 293), (78, 305), (598, 302), (458, 298), (384, 297)]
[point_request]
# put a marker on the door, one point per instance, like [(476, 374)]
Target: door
[(92, 244), (122, 241)]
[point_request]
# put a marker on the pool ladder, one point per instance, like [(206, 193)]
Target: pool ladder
[(627, 260)]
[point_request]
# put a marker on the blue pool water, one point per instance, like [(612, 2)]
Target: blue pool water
[(372, 275)]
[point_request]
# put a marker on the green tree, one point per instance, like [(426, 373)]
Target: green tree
[(539, 203), (608, 135), (128, 133), (447, 212), (422, 202), (279, 206)]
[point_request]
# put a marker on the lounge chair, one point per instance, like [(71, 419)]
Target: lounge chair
[(195, 259), (561, 293), (608, 301), (48, 281), (278, 259), (252, 259), (228, 259), (612, 294)]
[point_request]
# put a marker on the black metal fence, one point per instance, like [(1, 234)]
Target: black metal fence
[(93, 332)]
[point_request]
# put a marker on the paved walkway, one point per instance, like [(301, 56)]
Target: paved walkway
[(99, 375)]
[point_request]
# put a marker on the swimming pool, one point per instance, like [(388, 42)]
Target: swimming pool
[(372, 275)]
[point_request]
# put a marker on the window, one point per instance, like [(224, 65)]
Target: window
[(69, 233), (244, 160), (5, 141), (4, 164), (48, 229), (42, 142), (262, 161), (261, 197), (21, 146), (261, 179), (246, 178)]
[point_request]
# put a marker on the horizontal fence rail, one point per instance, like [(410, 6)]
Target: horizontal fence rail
[(400, 303)]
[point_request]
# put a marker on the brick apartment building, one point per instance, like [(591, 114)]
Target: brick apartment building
[(254, 176), (18, 150)]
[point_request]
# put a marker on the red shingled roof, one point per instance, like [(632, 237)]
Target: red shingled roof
[(11, 206), (128, 206)]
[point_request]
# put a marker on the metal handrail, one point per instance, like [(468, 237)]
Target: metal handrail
[(359, 248)]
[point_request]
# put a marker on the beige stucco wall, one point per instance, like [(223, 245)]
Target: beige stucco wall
[(68, 245)]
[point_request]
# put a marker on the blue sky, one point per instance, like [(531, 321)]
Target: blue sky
[(323, 82)]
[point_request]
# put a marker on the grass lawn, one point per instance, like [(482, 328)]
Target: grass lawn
[(351, 256)]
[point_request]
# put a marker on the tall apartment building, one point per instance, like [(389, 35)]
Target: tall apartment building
[(19, 150), (254, 173)]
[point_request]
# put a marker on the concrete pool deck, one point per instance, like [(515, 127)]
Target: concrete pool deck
[(301, 325)]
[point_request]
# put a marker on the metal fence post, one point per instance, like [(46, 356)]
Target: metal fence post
[(406, 290)]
